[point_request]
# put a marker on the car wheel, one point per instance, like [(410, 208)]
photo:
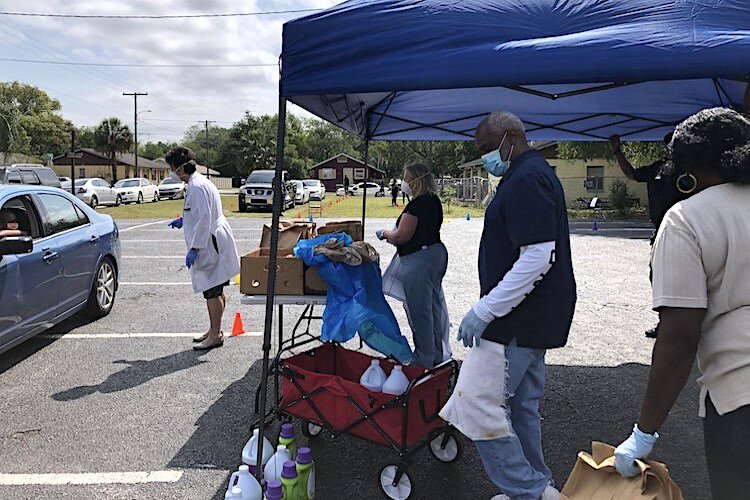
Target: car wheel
[(243, 207), (118, 200), (102, 295), (156, 197), (140, 198), (94, 202)]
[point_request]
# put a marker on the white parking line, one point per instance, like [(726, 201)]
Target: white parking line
[(155, 283), (175, 241), (159, 476), (143, 225), (166, 335)]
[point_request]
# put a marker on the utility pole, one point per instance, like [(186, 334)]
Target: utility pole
[(208, 170), (72, 155), (135, 123)]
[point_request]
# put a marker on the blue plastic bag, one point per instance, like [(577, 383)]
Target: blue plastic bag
[(355, 301)]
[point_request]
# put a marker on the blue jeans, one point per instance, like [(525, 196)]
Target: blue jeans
[(516, 463)]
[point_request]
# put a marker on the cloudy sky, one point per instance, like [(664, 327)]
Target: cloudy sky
[(178, 97)]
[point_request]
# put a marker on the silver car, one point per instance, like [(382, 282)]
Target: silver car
[(170, 188), (95, 192)]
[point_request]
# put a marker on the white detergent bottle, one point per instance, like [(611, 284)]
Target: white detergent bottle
[(247, 484), (397, 382), (275, 465), (234, 494), (250, 451), (374, 377)]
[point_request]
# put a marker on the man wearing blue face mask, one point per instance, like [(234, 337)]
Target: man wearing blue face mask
[(528, 295)]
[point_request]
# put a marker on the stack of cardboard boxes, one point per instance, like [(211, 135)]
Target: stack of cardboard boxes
[(293, 277)]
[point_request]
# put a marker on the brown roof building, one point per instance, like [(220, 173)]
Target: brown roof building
[(332, 171)]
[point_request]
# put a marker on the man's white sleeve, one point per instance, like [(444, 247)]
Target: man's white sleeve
[(533, 263)]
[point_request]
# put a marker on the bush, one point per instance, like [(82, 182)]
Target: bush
[(447, 195), (619, 196)]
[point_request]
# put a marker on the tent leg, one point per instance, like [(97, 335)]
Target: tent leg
[(367, 178), (268, 326)]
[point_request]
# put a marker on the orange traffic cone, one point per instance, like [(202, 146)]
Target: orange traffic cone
[(238, 328), (299, 215)]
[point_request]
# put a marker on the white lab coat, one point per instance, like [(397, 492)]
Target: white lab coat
[(206, 229)]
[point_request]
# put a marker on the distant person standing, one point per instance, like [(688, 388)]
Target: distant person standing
[(346, 185), (661, 187), (394, 193)]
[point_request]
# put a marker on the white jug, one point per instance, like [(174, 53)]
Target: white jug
[(276, 464), (397, 382), (374, 377), (250, 451), (246, 483), (234, 494)]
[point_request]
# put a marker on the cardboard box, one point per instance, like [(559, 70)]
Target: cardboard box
[(290, 273), (290, 232), (351, 227), (314, 284)]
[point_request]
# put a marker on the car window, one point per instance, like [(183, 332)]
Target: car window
[(81, 182), (145, 182), (61, 213), (82, 217), (26, 215), (28, 177), (14, 177), (47, 176)]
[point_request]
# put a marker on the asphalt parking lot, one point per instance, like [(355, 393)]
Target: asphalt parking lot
[(126, 408)]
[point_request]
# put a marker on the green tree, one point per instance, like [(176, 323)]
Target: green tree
[(85, 137), (47, 132), (639, 153), (154, 150), (111, 137)]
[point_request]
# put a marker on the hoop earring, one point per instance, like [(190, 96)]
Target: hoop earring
[(682, 189)]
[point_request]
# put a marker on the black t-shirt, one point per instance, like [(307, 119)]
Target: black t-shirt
[(528, 208), (429, 213), (662, 190)]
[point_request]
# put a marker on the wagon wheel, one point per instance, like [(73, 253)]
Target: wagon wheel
[(310, 430), (391, 487), (446, 447)]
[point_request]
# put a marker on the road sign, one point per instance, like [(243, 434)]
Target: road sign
[(73, 155)]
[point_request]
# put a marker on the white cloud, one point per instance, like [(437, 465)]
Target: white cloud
[(89, 94)]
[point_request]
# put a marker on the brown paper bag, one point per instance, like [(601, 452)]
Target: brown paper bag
[(594, 477)]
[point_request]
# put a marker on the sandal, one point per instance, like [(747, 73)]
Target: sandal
[(207, 345)]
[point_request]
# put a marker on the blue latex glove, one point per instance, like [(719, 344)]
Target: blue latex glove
[(379, 234), (471, 329), (637, 446), (190, 257), (176, 224)]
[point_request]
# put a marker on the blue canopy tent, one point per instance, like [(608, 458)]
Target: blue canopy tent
[(570, 69)]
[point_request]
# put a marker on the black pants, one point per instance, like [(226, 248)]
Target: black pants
[(727, 440)]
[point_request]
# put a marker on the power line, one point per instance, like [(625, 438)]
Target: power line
[(167, 16), (135, 65)]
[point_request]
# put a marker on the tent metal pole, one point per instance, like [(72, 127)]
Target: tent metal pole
[(271, 289), (367, 177)]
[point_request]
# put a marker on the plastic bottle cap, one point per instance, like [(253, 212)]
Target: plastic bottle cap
[(290, 470), (244, 468), (398, 367), (236, 491), (287, 431), (375, 362), (256, 432), (304, 456), (281, 447), (274, 489)]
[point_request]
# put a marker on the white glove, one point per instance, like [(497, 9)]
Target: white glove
[(637, 447), (379, 234)]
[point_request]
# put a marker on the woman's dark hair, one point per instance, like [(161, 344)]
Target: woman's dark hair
[(181, 156), (716, 138)]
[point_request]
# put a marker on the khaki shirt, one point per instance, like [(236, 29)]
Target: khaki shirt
[(701, 259)]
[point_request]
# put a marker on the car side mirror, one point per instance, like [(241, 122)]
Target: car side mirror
[(12, 245)]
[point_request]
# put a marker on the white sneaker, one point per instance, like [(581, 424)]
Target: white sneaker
[(549, 493)]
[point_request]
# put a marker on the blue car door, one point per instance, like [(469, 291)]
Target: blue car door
[(78, 245), (29, 283)]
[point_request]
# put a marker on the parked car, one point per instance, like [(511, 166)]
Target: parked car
[(373, 189), (317, 189), (64, 183), (29, 173), (301, 192), (95, 191), (68, 263), (258, 190), (171, 188), (136, 190)]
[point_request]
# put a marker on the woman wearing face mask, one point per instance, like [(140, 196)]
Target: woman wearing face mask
[(212, 252), (424, 260), (701, 288)]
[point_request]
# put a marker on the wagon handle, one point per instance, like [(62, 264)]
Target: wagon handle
[(434, 416), (448, 364)]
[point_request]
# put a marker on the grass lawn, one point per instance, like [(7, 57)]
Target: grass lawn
[(334, 207)]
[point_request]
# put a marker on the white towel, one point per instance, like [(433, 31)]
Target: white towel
[(477, 406)]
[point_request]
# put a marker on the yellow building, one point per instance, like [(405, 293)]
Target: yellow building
[(95, 164), (584, 179)]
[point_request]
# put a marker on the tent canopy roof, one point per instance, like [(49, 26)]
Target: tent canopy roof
[(571, 69)]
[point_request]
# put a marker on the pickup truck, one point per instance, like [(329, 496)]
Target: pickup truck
[(258, 191)]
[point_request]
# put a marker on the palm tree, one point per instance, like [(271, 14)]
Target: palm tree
[(111, 137)]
